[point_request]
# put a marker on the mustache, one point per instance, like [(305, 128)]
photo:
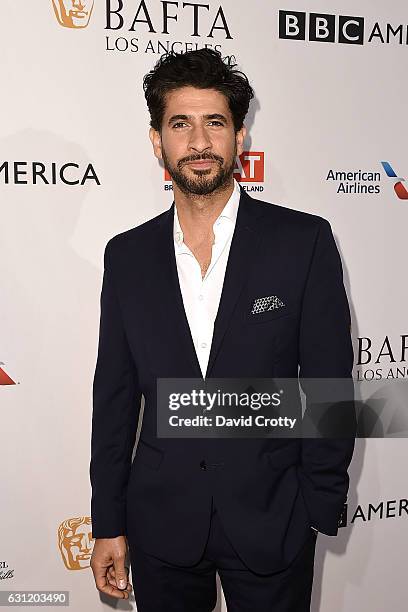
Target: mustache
[(193, 158)]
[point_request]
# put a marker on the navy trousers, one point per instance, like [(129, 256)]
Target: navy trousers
[(162, 587)]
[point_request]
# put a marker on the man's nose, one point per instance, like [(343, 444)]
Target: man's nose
[(199, 139)]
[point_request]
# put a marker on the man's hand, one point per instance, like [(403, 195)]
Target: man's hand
[(108, 566)]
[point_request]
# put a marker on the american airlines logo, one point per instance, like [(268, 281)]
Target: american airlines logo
[(399, 188)]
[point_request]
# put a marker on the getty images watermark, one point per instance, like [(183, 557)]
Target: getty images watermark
[(287, 408), (219, 400), (254, 408)]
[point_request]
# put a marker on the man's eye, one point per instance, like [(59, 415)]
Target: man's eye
[(178, 123), (215, 121)]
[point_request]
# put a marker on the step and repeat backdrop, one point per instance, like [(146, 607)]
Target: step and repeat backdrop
[(327, 134)]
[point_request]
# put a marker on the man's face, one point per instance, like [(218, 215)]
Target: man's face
[(198, 127), (73, 13)]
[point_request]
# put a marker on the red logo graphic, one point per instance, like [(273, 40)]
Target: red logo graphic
[(4, 377), (249, 168), (399, 188)]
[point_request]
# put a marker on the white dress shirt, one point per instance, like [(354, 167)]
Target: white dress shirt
[(201, 296)]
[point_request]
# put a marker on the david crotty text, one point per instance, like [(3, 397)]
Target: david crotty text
[(221, 421)]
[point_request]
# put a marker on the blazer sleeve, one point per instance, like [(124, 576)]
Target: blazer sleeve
[(116, 406), (325, 351)]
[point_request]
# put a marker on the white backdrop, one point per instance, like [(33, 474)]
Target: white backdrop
[(69, 96)]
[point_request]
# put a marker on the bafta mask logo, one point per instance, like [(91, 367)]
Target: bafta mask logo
[(4, 377), (73, 13), (75, 542)]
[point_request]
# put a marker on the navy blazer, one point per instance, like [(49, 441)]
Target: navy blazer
[(269, 491)]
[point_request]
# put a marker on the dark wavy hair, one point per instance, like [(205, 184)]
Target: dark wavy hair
[(201, 68)]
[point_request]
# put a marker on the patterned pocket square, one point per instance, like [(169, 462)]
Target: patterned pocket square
[(270, 302)]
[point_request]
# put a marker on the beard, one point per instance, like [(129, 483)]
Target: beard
[(201, 183)]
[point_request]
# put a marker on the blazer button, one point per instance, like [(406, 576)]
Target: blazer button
[(203, 465)]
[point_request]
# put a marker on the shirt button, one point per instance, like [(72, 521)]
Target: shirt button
[(203, 345), (200, 297)]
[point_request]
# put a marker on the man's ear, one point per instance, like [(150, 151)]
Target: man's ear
[(240, 138), (155, 139)]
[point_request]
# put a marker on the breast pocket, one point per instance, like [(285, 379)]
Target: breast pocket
[(269, 315)]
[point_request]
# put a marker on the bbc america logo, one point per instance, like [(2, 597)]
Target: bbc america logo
[(321, 27)]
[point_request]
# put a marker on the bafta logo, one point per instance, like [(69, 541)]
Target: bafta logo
[(73, 13), (75, 542)]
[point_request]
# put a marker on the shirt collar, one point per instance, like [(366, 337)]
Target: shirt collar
[(229, 211)]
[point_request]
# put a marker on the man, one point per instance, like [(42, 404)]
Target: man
[(184, 296)]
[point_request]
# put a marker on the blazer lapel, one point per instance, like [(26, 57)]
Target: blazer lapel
[(167, 293), (244, 245)]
